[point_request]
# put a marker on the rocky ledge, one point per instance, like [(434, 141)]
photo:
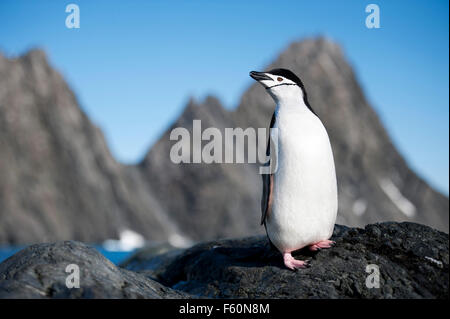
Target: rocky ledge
[(39, 271), (411, 260)]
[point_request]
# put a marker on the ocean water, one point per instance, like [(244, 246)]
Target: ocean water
[(6, 252), (115, 257)]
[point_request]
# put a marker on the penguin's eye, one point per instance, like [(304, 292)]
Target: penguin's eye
[(279, 79)]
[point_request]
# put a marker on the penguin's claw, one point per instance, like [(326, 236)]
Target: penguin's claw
[(322, 244), (294, 264)]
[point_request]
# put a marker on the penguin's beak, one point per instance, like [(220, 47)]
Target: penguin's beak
[(260, 76)]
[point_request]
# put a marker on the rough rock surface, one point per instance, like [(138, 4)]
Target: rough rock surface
[(38, 271), (413, 262)]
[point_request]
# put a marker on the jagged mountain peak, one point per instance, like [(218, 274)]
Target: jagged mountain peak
[(375, 182), (58, 179), (196, 109)]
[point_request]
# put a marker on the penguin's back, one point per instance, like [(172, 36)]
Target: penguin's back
[(305, 191)]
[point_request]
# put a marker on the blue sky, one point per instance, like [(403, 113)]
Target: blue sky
[(134, 64)]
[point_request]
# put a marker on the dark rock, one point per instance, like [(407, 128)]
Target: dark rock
[(151, 261), (412, 260), (39, 271)]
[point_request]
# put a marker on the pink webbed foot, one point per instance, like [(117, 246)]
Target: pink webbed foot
[(321, 244), (292, 263)]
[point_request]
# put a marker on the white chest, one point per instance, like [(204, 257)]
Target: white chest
[(305, 192)]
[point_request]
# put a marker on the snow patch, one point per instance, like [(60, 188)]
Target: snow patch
[(402, 203), (128, 240), (359, 207), (179, 241)]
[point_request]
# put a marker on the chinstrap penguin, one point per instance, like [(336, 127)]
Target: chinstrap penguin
[(299, 201)]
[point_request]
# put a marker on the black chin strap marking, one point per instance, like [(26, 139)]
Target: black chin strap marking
[(279, 85)]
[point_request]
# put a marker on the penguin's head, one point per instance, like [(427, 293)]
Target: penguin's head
[(281, 84)]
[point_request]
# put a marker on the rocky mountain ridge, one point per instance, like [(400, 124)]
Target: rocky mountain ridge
[(374, 181), (58, 180)]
